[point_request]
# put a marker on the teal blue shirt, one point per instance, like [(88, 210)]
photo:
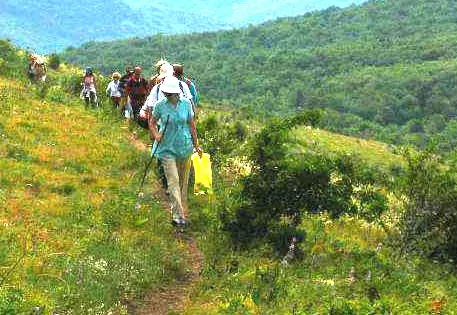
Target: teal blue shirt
[(177, 141)]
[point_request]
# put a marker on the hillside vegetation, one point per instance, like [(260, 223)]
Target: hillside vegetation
[(71, 241), (383, 70), (54, 25), (302, 220), (341, 199)]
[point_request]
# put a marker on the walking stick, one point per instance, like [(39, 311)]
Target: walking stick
[(140, 191)]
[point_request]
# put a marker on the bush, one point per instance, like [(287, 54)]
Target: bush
[(429, 224), (54, 61), (220, 138), (283, 186)]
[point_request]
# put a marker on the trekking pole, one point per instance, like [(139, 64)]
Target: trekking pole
[(140, 191)]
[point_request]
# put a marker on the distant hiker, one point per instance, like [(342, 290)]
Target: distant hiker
[(89, 92), (178, 71), (125, 108), (137, 88), (156, 93), (36, 69), (113, 90), (176, 145), (155, 78)]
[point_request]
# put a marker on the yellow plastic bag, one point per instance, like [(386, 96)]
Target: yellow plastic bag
[(203, 174)]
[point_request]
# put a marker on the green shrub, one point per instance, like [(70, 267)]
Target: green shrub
[(54, 61), (273, 198), (429, 224), (220, 138)]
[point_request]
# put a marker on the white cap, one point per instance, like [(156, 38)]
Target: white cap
[(165, 70), (170, 85)]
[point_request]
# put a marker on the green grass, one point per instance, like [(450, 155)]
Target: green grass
[(70, 238), (71, 241), (345, 266), (371, 152), (255, 282)]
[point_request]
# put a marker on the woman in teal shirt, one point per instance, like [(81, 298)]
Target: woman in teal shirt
[(175, 147)]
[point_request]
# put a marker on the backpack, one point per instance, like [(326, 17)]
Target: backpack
[(192, 84)]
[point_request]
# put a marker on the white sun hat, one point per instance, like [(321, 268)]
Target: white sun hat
[(170, 85), (165, 70)]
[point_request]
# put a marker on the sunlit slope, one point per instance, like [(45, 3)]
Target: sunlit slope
[(70, 238), (373, 153)]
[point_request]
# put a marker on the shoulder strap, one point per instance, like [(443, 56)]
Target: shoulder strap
[(180, 86), (158, 88), (188, 82)]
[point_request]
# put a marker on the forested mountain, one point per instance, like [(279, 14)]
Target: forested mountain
[(386, 69), (51, 25), (242, 12)]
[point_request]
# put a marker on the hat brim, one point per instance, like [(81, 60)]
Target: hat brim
[(163, 75), (171, 90)]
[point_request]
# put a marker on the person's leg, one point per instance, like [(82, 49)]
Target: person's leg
[(122, 108), (161, 174), (92, 98), (171, 172), (115, 102), (135, 108), (86, 99), (183, 167)]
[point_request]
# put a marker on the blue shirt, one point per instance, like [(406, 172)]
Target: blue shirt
[(177, 141)]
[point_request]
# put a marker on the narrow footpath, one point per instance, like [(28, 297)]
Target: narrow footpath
[(172, 298)]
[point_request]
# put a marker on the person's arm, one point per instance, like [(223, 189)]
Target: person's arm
[(128, 87), (154, 133), (108, 89), (186, 92), (153, 119), (193, 132)]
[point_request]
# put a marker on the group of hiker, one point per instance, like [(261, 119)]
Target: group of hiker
[(167, 105)]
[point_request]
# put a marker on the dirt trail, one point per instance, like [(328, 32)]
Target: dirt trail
[(174, 297)]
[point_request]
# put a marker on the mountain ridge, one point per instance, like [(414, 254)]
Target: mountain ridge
[(53, 25)]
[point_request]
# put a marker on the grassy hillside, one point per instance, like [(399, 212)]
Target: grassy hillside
[(344, 265), (71, 241), (385, 69)]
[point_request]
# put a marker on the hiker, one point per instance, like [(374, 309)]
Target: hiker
[(178, 71), (157, 94), (155, 78), (125, 108), (137, 88), (36, 69), (89, 92), (113, 90), (175, 147)]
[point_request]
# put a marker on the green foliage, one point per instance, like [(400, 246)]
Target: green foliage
[(70, 241), (54, 61), (12, 64), (383, 68), (283, 186), (429, 223), (220, 136)]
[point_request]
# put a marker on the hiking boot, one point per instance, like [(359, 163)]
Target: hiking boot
[(176, 222)]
